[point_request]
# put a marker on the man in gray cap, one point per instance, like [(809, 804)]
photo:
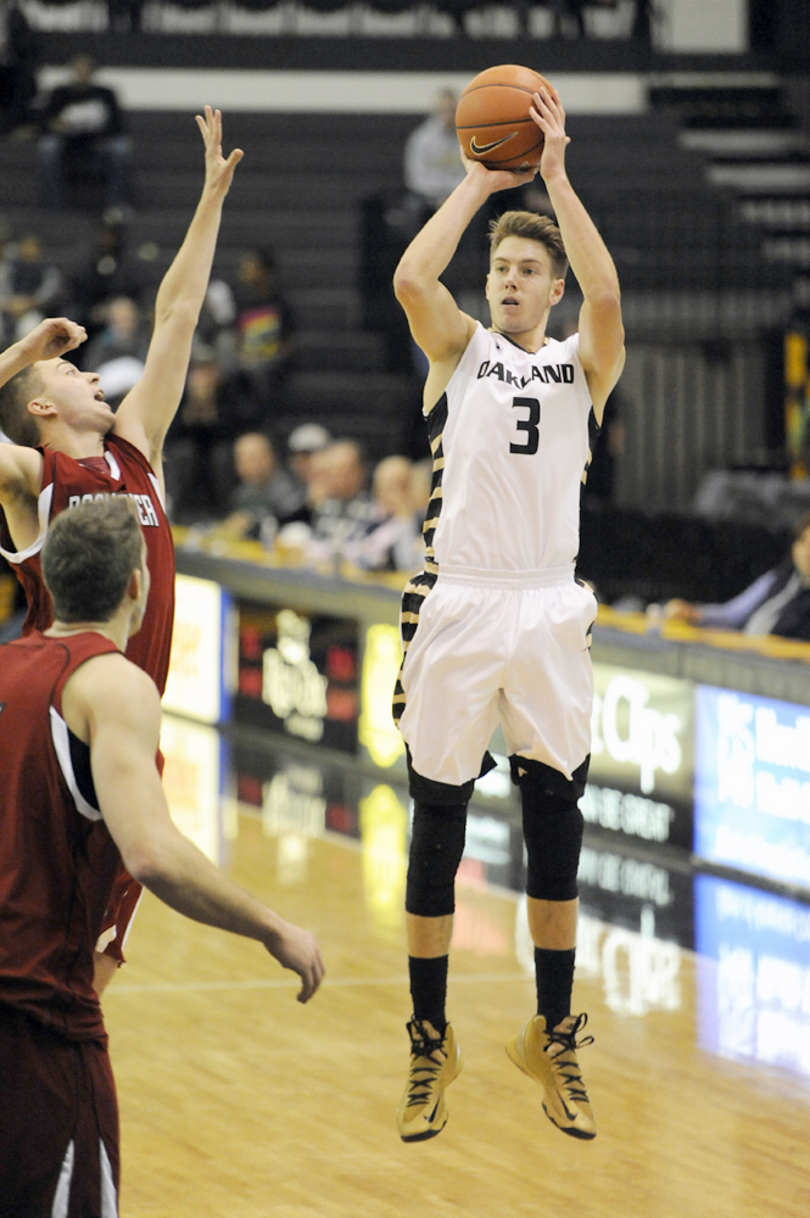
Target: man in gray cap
[(303, 442)]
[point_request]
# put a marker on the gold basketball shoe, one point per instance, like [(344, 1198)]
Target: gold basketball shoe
[(550, 1059), (435, 1062)]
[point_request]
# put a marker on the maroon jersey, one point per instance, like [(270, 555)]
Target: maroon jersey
[(123, 470), (58, 862)]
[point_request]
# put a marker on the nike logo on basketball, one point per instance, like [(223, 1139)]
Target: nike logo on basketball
[(478, 149)]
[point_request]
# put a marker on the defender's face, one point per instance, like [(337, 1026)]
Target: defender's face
[(76, 395), (521, 285)]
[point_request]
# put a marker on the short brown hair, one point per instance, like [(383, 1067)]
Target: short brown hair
[(528, 224), (19, 425), (88, 558)]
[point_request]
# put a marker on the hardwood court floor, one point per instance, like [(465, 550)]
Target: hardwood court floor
[(236, 1101)]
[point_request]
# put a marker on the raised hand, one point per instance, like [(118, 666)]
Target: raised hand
[(218, 171), (549, 115), (51, 338)]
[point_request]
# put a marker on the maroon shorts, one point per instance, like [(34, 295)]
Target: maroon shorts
[(59, 1155)]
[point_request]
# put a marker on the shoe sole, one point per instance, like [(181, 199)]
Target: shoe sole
[(572, 1131), (426, 1134)]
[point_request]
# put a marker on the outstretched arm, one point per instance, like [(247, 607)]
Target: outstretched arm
[(601, 333), (117, 706), (146, 412)]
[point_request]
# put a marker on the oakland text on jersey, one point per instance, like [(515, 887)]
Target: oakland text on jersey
[(146, 509), (555, 374)]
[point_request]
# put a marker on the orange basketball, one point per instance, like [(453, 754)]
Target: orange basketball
[(493, 121)]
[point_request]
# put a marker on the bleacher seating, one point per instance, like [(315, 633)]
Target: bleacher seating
[(300, 190)]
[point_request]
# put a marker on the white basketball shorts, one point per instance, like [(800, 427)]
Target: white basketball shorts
[(509, 649)]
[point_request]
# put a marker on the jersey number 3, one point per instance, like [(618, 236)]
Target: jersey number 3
[(529, 425)]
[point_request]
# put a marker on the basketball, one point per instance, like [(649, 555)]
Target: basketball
[(493, 121)]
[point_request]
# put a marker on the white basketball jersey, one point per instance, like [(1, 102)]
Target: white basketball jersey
[(512, 438)]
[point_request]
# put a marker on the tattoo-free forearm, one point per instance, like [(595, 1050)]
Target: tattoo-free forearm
[(12, 361), (181, 876), (587, 253), (186, 281)]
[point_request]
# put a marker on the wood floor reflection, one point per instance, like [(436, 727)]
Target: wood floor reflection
[(236, 1101)]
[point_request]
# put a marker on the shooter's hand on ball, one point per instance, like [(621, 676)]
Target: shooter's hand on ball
[(496, 179), (549, 115)]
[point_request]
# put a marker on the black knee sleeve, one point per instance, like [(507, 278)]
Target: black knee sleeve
[(552, 828), (437, 844)]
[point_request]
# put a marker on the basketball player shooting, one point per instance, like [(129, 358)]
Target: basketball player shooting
[(497, 626), (68, 447)]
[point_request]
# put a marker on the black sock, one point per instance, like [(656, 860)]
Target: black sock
[(429, 989), (554, 972)]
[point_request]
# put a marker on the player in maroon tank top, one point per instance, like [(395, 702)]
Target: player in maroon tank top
[(79, 728), (67, 444), (122, 470)]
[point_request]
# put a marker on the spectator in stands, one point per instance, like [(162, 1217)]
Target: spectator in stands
[(390, 219), (103, 269), (200, 473), (432, 160), (82, 122), (776, 603), (30, 287), (303, 443), (569, 11), (125, 15), (266, 497), (394, 541), (263, 330), (341, 507), (18, 61), (642, 21), (118, 353)]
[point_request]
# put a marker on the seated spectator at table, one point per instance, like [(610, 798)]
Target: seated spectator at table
[(341, 508), (394, 542), (776, 603), (82, 122), (30, 287), (118, 353), (266, 496), (303, 442)]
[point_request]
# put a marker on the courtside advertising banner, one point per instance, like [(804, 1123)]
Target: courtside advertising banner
[(752, 784)]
